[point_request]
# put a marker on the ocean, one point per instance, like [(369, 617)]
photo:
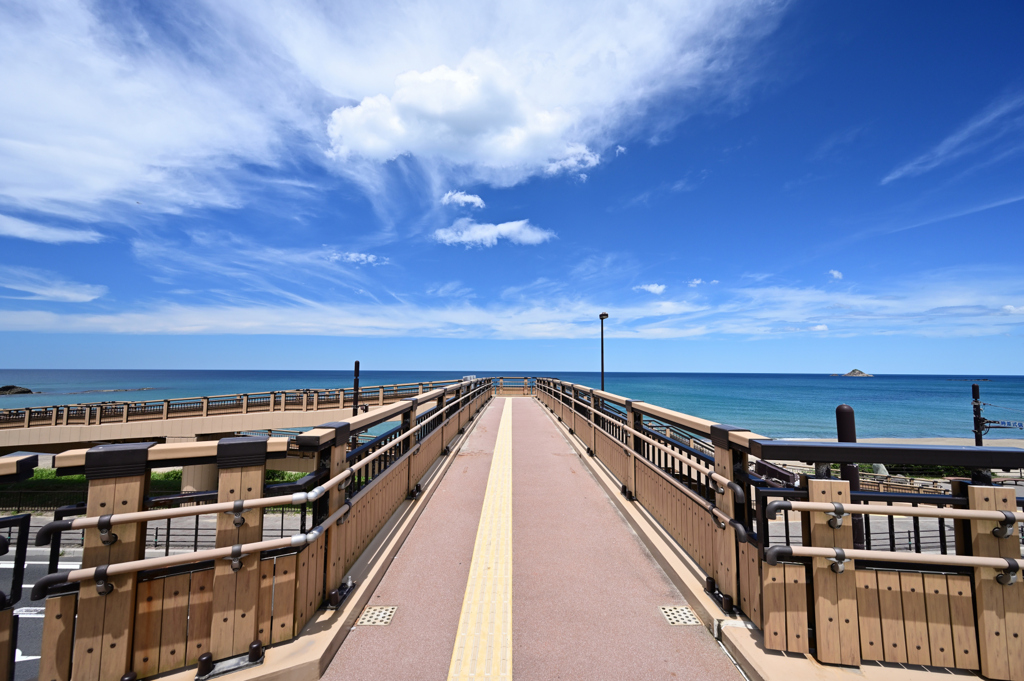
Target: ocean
[(775, 405)]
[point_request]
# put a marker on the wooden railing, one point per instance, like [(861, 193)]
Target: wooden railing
[(953, 599), (216, 405), (148, 616)]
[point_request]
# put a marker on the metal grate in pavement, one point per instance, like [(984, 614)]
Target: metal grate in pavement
[(377, 616), (679, 614)]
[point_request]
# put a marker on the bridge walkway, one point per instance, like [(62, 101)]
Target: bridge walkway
[(519, 530)]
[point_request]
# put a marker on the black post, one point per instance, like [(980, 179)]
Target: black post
[(603, 316), (979, 476), (355, 391), (846, 430), (979, 423)]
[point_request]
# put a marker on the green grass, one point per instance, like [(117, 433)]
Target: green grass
[(47, 480)]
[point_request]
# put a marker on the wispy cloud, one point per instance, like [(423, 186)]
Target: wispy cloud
[(355, 258), (469, 233), (656, 289), (451, 289), (836, 274), (45, 285), (999, 119), (23, 229), (462, 199)]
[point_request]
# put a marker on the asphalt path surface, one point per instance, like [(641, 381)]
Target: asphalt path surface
[(29, 614)]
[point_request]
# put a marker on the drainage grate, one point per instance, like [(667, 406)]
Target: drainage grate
[(679, 614), (377, 615)]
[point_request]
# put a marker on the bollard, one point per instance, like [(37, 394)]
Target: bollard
[(205, 664), (846, 429)]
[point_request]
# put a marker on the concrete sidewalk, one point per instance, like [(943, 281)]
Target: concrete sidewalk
[(585, 590)]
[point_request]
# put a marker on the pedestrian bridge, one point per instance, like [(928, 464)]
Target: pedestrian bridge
[(535, 529)]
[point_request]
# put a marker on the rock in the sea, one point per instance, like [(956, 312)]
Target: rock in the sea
[(14, 390), (857, 373)]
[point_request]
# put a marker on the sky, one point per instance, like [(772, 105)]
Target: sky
[(745, 186)]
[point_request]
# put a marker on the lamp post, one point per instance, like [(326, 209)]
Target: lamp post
[(603, 316)]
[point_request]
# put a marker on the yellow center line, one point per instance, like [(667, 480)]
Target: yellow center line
[(483, 644)]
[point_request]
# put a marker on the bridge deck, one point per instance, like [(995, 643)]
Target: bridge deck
[(585, 591)]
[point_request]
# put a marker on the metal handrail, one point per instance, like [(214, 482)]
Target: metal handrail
[(237, 507), (839, 557)]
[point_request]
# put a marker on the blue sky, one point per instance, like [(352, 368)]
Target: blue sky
[(743, 186)]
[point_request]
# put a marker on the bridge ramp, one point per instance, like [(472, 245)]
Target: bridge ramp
[(586, 593)]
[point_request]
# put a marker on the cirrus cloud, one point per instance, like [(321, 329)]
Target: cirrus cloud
[(469, 233)]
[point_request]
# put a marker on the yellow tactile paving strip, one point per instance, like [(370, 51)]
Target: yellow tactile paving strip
[(483, 644)]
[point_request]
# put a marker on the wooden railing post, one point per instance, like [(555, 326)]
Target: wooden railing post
[(336, 432), (241, 465), (634, 420), (305, 401), (725, 550), (245, 404), (1000, 609), (836, 616), (118, 478), (167, 408), (316, 400), (206, 406), (409, 424), (380, 396)]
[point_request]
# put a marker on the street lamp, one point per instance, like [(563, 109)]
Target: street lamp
[(603, 316)]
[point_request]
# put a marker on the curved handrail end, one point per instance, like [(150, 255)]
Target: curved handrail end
[(42, 586), (775, 553), (778, 505), (46, 532)]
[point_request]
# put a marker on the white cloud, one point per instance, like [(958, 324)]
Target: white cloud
[(656, 289), (462, 199), (22, 229), (987, 127), (357, 258), (820, 327), (43, 285), (693, 283), (1010, 309), (451, 289), (471, 233), (836, 274), (619, 149)]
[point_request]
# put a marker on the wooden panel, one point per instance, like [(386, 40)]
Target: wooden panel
[(940, 636), (174, 623), (247, 580), (915, 620), (796, 609), (301, 589), (89, 628), (6, 643), (753, 585), (1013, 595), (265, 610), (58, 638), (993, 652), (871, 647), (222, 631), (725, 538), (284, 599), (148, 617), (837, 629), (119, 609), (961, 618), (890, 609), (200, 614), (774, 593)]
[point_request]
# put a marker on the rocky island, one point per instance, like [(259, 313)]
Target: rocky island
[(14, 390), (857, 373)]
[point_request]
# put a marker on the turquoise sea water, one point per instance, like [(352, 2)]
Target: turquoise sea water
[(776, 405)]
